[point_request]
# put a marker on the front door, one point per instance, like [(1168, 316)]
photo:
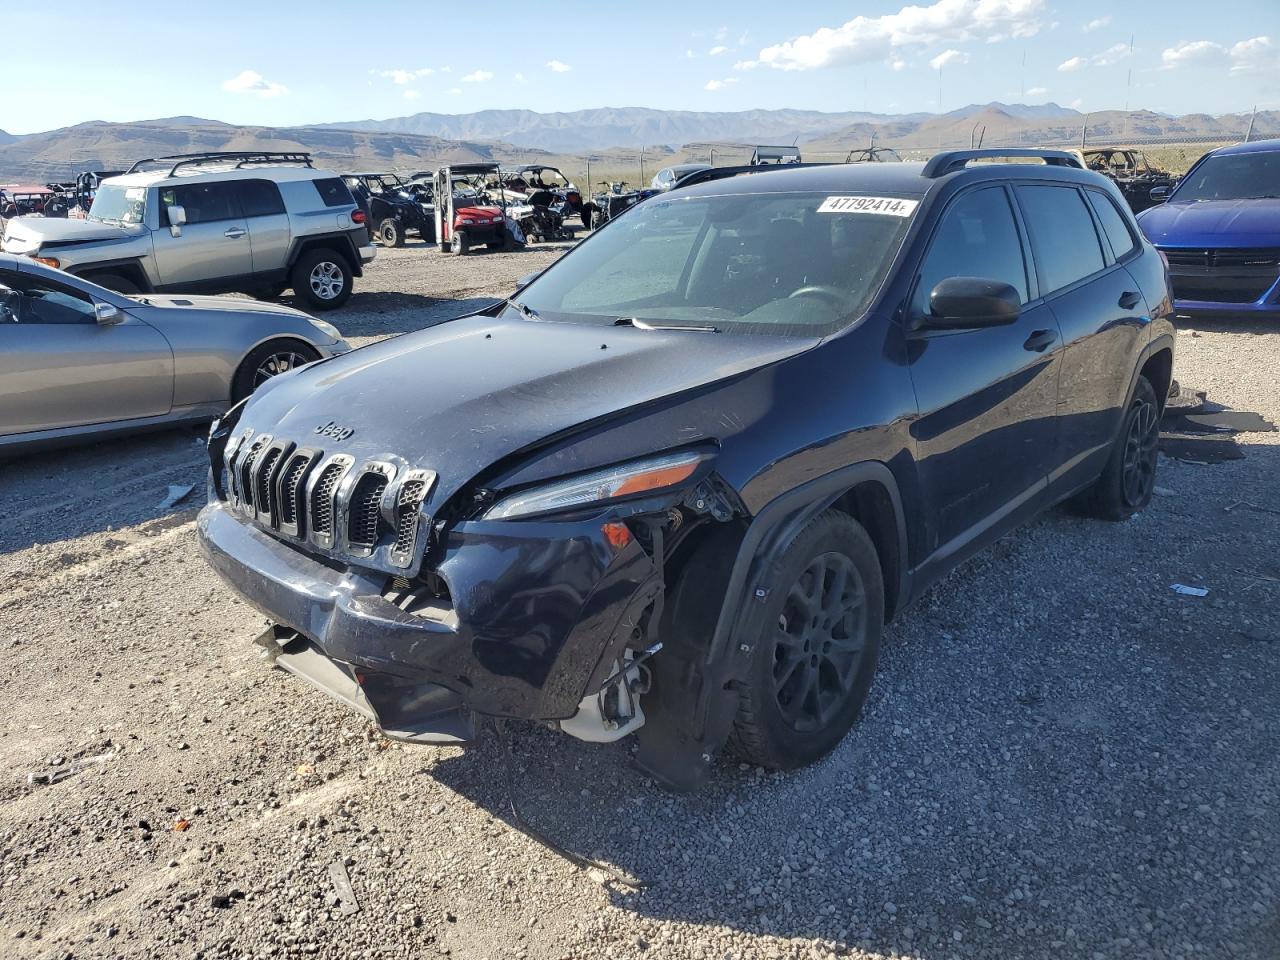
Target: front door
[(214, 243), (60, 368), (986, 431)]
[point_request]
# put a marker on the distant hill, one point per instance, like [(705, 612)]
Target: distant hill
[(6, 137), (60, 154)]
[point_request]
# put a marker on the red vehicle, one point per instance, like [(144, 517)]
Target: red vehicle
[(20, 199), (465, 215)]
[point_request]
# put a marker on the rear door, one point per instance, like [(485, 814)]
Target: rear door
[(214, 243), (1081, 243), (60, 368), (987, 431), (268, 223)]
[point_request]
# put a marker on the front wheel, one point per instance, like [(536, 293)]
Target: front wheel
[(818, 639), (461, 243), (322, 279), (1129, 478), (269, 360)]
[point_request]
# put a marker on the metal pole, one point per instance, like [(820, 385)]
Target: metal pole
[(642, 167), (1252, 117), (713, 156)]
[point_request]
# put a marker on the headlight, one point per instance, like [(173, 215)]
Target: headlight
[(641, 476), (328, 329)]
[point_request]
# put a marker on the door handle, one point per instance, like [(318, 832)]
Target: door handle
[(1040, 341), (1130, 299), (235, 233)]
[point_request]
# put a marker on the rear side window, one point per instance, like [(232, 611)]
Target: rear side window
[(333, 192), (976, 238), (1113, 224), (202, 202), (1063, 238), (260, 198)]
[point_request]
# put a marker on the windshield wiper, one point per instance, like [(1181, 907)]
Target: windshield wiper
[(525, 311), (664, 325)]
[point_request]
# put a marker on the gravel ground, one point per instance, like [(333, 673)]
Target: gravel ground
[(1060, 757)]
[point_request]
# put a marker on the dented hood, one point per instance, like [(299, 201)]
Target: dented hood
[(461, 396)]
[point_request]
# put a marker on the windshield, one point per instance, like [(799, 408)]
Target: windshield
[(801, 264), (119, 204), (1233, 176)]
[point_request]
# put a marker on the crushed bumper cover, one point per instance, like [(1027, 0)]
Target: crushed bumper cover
[(539, 611)]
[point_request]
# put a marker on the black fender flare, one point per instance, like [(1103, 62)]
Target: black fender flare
[(773, 528), (130, 267), (341, 242)]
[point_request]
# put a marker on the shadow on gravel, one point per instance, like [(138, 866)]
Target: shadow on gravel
[(1060, 757)]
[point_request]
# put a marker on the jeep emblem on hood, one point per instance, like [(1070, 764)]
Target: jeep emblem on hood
[(332, 429)]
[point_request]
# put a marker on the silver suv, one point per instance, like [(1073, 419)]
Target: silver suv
[(212, 222)]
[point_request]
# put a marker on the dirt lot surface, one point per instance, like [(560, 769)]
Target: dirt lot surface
[(1060, 756)]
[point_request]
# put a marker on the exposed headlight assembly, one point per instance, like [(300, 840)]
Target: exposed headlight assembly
[(639, 476), (328, 329)]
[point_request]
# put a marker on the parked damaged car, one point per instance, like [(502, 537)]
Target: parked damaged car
[(676, 486), (391, 207), (1131, 172), (466, 215), (538, 177)]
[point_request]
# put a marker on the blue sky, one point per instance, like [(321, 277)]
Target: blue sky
[(281, 64)]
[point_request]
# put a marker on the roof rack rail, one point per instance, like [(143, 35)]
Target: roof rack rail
[(950, 161), (242, 158)]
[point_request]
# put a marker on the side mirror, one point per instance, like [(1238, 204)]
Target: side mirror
[(527, 279), (107, 314), (1159, 194), (963, 303), (177, 217)]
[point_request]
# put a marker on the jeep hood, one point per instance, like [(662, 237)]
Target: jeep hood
[(33, 232), (461, 396), (1213, 223)]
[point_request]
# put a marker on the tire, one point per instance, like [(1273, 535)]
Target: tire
[(266, 361), (460, 243), (811, 671), (586, 217), (1129, 478), (322, 279), (390, 233), (115, 281)]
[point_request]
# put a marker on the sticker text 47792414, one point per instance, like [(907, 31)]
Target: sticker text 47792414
[(885, 206)]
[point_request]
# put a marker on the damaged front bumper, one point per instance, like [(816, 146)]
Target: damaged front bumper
[(534, 614)]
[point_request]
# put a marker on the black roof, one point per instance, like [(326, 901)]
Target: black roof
[(900, 179)]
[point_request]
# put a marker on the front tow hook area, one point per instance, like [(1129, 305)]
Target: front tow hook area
[(403, 709)]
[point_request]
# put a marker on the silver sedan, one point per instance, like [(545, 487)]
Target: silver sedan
[(78, 361)]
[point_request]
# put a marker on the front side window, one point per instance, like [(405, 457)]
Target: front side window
[(30, 300), (202, 202), (114, 204), (800, 264), (1238, 176), (1063, 238), (1113, 224), (977, 237)]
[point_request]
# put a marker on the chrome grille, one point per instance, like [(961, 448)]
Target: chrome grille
[(291, 493), (244, 472), (322, 506), (263, 474), (413, 491), (364, 510)]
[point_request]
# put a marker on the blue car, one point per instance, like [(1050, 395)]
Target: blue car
[(1220, 233)]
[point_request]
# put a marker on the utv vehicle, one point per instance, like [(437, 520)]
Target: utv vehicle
[(1130, 171), (465, 215), (614, 202), (540, 217), (533, 177), (873, 155), (769, 156), (392, 210)]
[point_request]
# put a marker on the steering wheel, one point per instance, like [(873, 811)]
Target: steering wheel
[(834, 294)]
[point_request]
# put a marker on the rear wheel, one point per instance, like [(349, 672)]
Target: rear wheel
[(1129, 478), (114, 281), (322, 279), (816, 654), (390, 233), (269, 360)]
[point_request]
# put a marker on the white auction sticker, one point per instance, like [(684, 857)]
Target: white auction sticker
[(888, 206)]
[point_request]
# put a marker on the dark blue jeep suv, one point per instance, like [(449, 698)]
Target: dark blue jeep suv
[(677, 485)]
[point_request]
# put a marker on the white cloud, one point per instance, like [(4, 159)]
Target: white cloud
[(1097, 24), (455, 89), (250, 81), (424, 71), (478, 76), (558, 66), (518, 77), (412, 94), (1076, 104), (722, 33), (404, 77), (446, 69), (714, 85), (1256, 53), (1112, 55), (690, 54), (868, 39), (717, 50), (1037, 91), (899, 65), (1072, 65), (948, 57)]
